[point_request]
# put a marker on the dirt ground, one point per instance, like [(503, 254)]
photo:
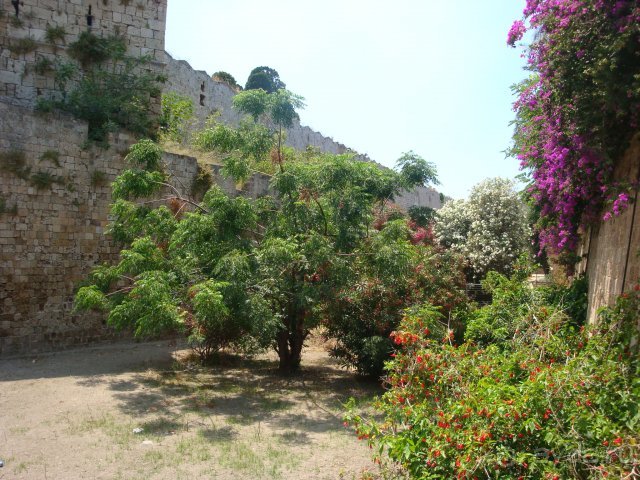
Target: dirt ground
[(72, 415)]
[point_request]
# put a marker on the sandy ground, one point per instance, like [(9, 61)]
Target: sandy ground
[(72, 415)]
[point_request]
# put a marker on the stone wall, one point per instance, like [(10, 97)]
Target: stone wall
[(52, 235), (210, 97), (610, 249), (142, 24)]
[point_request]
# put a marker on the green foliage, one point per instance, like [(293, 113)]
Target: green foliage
[(226, 78), (416, 170), (264, 78), (175, 117), (388, 275), (145, 155), (15, 162), (421, 216), (240, 273), (22, 46), (107, 97), (52, 156), (277, 110), (240, 148), (202, 182), (543, 399), (55, 34), (91, 49), (279, 107)]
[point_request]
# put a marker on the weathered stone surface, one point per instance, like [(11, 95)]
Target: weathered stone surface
[(610, 249), (143, 24)]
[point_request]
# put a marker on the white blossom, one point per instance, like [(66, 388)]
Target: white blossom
[(490, 229)]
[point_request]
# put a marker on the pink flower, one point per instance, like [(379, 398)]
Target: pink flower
[(516, 32)]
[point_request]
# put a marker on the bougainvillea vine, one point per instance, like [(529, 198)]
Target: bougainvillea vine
[(578, 111)]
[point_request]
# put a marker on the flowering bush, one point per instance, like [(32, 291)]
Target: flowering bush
[(577, 113), (551, 401), (398, 268), (490, 229)]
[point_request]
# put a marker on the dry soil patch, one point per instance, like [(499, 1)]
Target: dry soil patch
[(72, 415)]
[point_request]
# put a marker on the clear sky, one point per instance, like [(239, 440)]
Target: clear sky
[(381, 77)]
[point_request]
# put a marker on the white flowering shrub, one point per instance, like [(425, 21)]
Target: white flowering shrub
[(490, 229)]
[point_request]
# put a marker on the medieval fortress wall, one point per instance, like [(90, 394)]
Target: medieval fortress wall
[(214, 97), (140, 22), (52, 230)]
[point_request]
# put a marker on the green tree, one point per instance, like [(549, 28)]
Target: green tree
[(277, 109), (233, 271), (176, 113), (264, 78)]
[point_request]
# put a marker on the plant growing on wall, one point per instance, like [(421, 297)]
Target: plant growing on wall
[(226, 78), (22, 46), (175, 117), (55, 34), (111, 90), (577, 112)]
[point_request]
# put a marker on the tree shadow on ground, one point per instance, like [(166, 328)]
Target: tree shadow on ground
[(91, 364), (248, 392)]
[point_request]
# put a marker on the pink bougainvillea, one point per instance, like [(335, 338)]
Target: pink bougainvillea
[(578, 111)]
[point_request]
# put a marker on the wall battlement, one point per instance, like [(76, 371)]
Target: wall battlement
[(210, 97)]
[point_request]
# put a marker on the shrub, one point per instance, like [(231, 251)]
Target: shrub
[(54, 34), (490, 229), (175, 116), (542, 400), (226, 78), (22, 46), (421, 216), (388, 275)]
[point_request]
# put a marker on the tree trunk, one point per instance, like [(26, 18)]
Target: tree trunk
[(290, 342)]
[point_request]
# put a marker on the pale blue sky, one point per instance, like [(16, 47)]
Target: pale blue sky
[(381, 77)]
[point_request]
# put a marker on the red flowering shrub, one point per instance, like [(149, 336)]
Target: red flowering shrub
[(553, 401), (395, 270)]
